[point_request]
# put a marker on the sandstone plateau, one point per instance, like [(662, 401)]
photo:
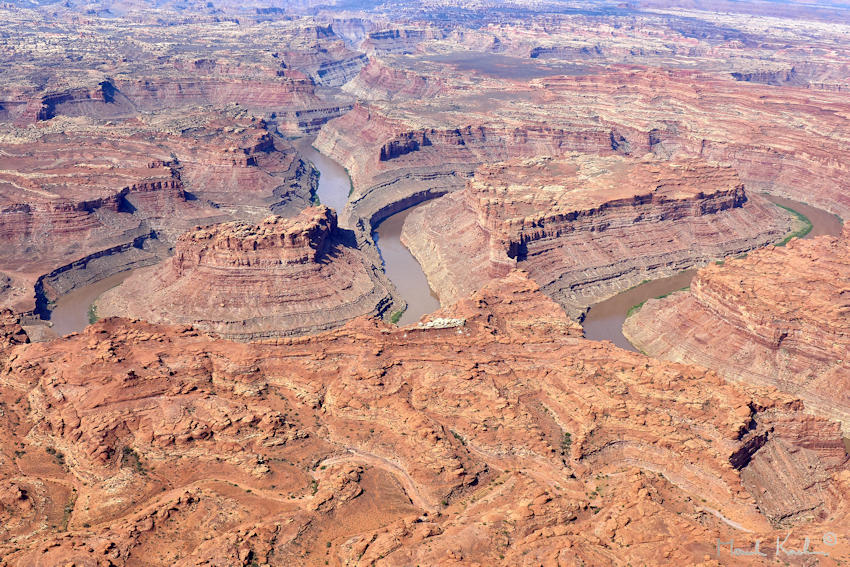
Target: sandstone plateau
[(779, 317), (495, 435), (241, 281), (585, 227)]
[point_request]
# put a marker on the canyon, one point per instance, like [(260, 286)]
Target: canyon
[(362, 283), (585, 227), (777, 317), (79, 206)]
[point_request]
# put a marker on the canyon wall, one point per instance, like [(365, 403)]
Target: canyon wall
[(587, 227), (778, 317), (247, 282)]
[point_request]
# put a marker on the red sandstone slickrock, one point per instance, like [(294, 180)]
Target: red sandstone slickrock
[(244, 281), (495, 436), (780, 317)]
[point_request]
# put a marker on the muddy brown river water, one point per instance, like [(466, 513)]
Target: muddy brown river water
[(399, 264), (603, 322), (605, 319), (403, 269), (71, 312), (334, 183)]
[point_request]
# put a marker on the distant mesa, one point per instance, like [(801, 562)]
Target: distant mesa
[(251, 281)]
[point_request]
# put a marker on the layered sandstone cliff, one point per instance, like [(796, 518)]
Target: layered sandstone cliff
[(390, 80), (780, 316), (232, 161), (64, 198), (493, 435), (81, 205), (586, 227), (281, 277), (392, 160), (404, 150)]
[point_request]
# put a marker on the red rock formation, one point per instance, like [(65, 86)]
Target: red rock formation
[(777, 317), (11, 332), (236, 163), (281, 277), (64, 198), (385, 80), (390, 161), (586, 227), (328, 63), (68, 198), (397, 39), (495, 435), (400, 149)]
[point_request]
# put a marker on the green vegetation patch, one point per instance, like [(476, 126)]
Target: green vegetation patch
[(132, 460), (396, 316), (635, 308), (566, 443), (92, 314), (806, 229)]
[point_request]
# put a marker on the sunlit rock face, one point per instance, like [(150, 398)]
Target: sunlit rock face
[(586, 227), (244, 281), (780, 317)]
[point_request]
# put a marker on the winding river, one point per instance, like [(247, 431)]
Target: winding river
[(399, 264), (334, 183), (605, 319)]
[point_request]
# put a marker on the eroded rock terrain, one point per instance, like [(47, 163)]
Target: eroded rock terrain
[(241, 281), (780, 316), (244, 398), (497, 436), (586, 226)]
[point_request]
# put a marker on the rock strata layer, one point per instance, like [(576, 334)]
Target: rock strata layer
[(780, 316), (242, 281), (586, 227), (399, 147)]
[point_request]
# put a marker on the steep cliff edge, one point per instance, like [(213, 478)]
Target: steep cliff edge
[(394, 157), (586, 227), (242, 281), (64, 198), (780, 316)]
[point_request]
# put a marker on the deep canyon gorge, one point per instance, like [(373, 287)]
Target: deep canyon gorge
[(426, 283)]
